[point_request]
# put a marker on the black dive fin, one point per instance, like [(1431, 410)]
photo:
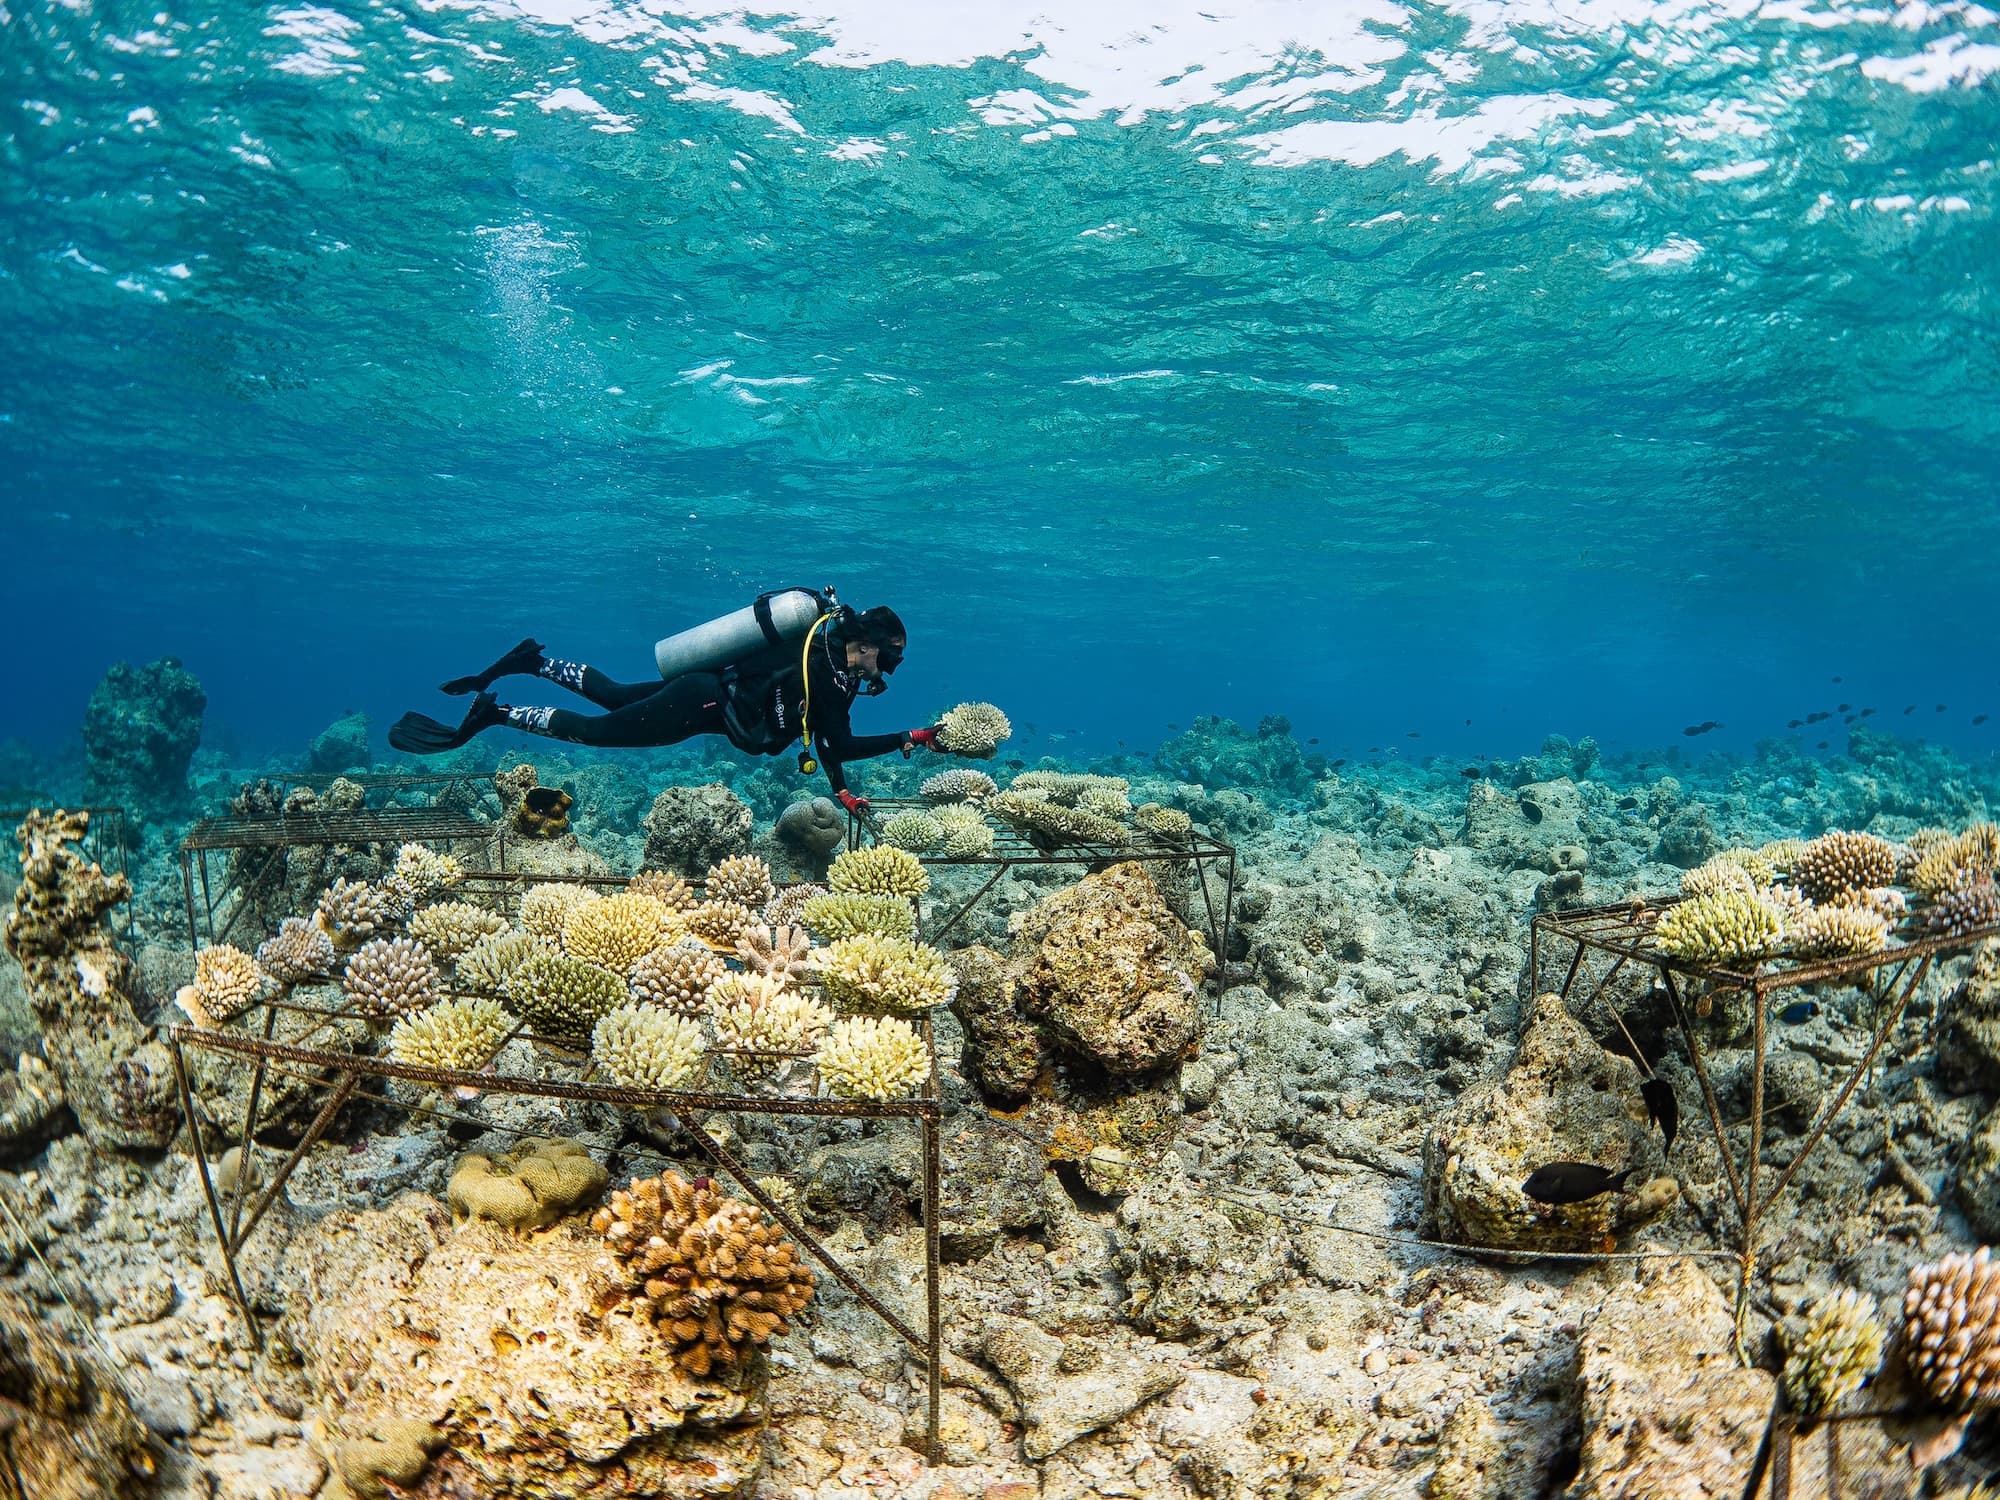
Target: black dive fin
[(414, 734), (525, 659)]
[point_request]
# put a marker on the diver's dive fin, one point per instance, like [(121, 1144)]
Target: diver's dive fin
[(415, 734), (525, 659)]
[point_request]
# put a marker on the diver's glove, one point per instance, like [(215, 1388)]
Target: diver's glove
[(855, 805), (925, 737)]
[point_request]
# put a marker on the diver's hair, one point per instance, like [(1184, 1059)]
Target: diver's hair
[(877, 627)]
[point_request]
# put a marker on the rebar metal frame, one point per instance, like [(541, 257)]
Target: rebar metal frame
[(1624, 931), (348, 1070), (107, 844), (1013, 849)]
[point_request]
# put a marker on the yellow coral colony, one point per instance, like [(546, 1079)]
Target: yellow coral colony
[(644, 1046), (1724, 929), (872, 1057), (869, 972), (617, 931), (878, 870)]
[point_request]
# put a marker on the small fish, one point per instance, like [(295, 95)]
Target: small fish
[(1979, 718), (1573, 1182), (1468, 723), (1821, 745), (1473, 771), (1839, 679), (1374, 749), (1413, 735), (1841, 708), (1662, 1108), (1850, 718), (1014, 763), (1799, 1012), (1173, 726), (1339, 763), (1795, 724), (1866, 712), (1939, 709), (1313, 741), (1818, 718), (1628, 803), (1911, 709)]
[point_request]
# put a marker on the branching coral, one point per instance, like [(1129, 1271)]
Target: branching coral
[(677, 978), (1946, 862), (842, 914), (617, 931), (1104, 802), (964, 834), (784, 909), (912, 829), (449, 928), (1832, 865), (1049, 824), (485, 966), (781, 952), (872, 1057), (461, 1034), (1970, 902), (1729, 927), (351, 912), (391, 977), (743, 878), (546, 909), (1716, 876), (964, 785), (878, 870), (1835, 932), (647, 1047), (299, 952), (561, 996), (869, 972), (665, 887), (973, 730), (1167, 825), (1782, 854), (711, 1274), (754, 1013), (227, 982), (720, 924), (421, 875), (1951, 1330), (1840, 1349)]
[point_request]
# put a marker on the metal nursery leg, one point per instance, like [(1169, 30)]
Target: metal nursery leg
[(933, 1259), (348, 1083), (970, 902), (208, 1190), (1707, 1086), (1752, 1209), (249, 1135)]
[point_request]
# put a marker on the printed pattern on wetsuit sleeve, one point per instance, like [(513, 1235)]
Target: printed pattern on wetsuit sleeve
[(567, 674)]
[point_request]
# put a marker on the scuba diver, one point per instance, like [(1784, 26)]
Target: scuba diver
[(782, 670)]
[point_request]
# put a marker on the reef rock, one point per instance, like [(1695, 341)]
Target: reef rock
[(1564, 1099), (117, 1079), (140, 731), (31, 1103), (1196, 1266), (68, 1432), (472, 1362), (1522, 828), (689, 828), (1968, 1036), (341, 746), (1666, 1409), (1069, 1387), (1217, 752), (1004, 1051)]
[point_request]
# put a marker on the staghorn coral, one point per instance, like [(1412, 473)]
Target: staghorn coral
[(1049, 825), (1835, 932), (227, 982), (461, 1034), (912, 829), (1716, 876), (878, 871), (547, 908), (648, 1047), (449, 928), (743, 878), (781, 952), (615, 932), (1727, 928), (720, 924), (299, 952), (1942, 865), (784, 909), (753, 1013), (670, 890), (1951, 1330), (1753, 862), (712, 1275), (1833, 864), (1970, 902), (677, 978), (1166, 825), (421, 875), (539, 1181), (973, 730), (869, 972), (1839, 1350), (872, 1057), (350, 912), (561, 996), (1782, 854), (1104, 802), (483, 968), (391, 977), (964, 833), (965, 785), (842, 914)]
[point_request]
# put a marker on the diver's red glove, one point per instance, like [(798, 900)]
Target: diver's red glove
[(856, 805), (925, 737)]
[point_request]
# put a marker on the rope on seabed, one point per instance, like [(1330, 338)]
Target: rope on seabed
[(118, 1360)]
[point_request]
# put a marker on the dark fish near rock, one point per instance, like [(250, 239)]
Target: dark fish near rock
[(1573, 1182), (1979, 718), (1628, 803), (1663, 1108), (1472, 771), (1842, 708), (1795, 724), (1799, 1012)]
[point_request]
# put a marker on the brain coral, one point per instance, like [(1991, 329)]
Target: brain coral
[(912, 829), (963, 833), (872, 1057), (353, 911), (754, 1013), (878, 871), (1835, 932), (1951, 1330), (391, 977), (536, 1183), (840, 914), (461, 1034), (647, 1047), (546, 909), (227, 982), (299, 952), (1834, 864), (665, 887), (617, 931), (1841, 1348), (869, 972), (743, 878), (713, 1276), (1167, 825), (677, 978), (973, 730), (784, 909), (561, 996), (485, 966), (451, 927), (1727, 928), (964, 785)]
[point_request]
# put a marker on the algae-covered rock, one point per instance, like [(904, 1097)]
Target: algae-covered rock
[(1666, 1409), (524, 1360), (533, 1185), (1968, 1030), (1291, 1449), (1004, 1050), (1564, 1099), (1067, 1388), (690, 828), (66, 1430), (140, 731), (1195, 1265), (1523, 827)]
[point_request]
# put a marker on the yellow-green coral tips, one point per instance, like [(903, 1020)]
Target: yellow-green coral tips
[(646, 1047), (872, 1057), (1727, 928), (840, 914), (484, 967), (1840, 1349), (912, 829), (451, 927), (561, 996), (962, 832), (545, 909), (460, 1034), (878, 871), (617, 931), (869, 972)]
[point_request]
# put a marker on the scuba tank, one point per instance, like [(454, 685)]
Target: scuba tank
[(779, 618)]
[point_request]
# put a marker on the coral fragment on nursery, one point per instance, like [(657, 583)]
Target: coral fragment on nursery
[(391, 977), (973, 730), (872, 1057), (460, 1034), (869, 972), (878, 870), (841, 914), (1840, 1349), (642, 1046), (1951, 1329)]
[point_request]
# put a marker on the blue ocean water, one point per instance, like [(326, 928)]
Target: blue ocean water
[(1469, 371)]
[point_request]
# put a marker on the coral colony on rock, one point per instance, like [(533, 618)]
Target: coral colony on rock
[(1219, 1046)]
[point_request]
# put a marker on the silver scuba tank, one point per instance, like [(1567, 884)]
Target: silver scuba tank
[(783, 616)]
